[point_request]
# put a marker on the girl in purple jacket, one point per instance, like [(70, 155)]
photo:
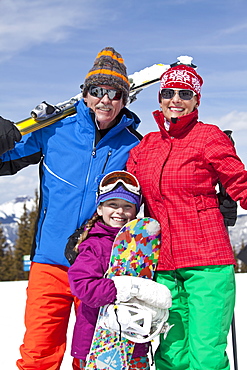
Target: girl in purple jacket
[(118, 202)]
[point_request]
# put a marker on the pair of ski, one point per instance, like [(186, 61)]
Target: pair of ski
[(46, 114)]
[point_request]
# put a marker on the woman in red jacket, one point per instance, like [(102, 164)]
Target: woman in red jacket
[(178, 169)]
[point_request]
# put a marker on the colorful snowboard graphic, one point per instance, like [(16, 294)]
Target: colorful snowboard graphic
[(135, 252)]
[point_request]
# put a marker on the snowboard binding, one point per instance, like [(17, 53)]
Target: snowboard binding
[(136, 321)]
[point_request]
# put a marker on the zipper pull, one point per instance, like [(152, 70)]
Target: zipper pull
[(106, 161), (94, 152)]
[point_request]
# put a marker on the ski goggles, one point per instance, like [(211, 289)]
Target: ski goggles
[(183, 94), (112, 179), (99, 92)]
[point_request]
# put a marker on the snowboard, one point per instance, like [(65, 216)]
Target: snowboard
[(46, 114), (135, 252)]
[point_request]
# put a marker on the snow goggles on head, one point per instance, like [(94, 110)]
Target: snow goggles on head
[(99, 92), (112, 179), (183, 94)]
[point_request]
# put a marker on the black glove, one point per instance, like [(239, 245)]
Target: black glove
[(228, 208), (70, 252), (9, 134)]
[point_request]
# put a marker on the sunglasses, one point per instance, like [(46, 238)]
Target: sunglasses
[(183, 94), (99, 92), (110, 181)]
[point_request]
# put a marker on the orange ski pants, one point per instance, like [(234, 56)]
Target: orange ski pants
[(48, 306)]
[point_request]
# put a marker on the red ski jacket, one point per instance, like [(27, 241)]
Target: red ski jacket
[(178, 172)]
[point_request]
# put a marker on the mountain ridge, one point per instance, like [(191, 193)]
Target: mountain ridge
[(11, 212)]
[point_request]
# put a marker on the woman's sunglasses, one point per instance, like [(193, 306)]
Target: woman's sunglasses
[(183, 94)]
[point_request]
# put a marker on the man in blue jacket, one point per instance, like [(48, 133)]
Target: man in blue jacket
[(74, 153)]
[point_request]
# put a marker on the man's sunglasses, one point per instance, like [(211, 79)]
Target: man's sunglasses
[(99, 92), (183, 94)]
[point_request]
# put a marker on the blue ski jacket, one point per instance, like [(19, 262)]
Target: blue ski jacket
[(71, 166)]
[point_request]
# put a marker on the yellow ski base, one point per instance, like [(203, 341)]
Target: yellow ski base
[(139, 80), (30, 124)]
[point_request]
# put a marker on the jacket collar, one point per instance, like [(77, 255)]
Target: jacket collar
[(102, 229), (125, 117), (179, 127)]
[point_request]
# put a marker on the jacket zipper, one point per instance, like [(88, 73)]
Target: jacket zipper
[(106, 161), (93, 155)]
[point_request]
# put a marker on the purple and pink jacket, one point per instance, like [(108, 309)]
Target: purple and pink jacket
[(87, 281)]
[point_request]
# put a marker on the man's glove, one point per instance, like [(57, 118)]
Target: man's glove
[(9, 134), (70, 252), (228, 208)]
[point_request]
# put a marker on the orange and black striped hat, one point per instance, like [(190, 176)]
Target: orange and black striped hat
[(108, 69)]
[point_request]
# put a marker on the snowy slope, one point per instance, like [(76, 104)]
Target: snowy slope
[(12, 324)]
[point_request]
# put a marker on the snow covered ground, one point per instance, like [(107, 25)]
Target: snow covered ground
[(12, 306)]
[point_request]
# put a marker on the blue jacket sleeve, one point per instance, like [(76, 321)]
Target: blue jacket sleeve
[(27, 151)]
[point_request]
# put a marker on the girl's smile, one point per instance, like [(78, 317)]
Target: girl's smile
[(116, 212)]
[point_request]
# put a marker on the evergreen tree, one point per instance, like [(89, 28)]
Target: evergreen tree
[(2, 243), (6, 259), (24, 239), (22, 246)]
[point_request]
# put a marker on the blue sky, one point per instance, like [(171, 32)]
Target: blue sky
[(47, 47)]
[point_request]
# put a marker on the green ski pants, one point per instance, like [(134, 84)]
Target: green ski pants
[(203, 301)]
